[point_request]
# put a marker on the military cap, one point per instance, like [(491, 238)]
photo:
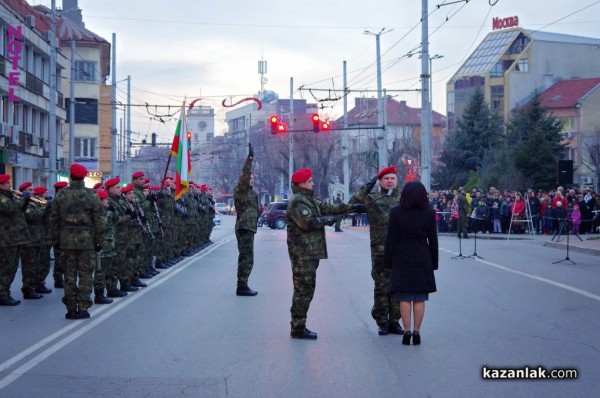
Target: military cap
[(4, 178), (146, 186), (77, 170), (146, 180), (127, 188), (204, 187), (387, 170), (60, 184), (25, 185), (137, 174), (113, 181), (102, 194), (301, 176), (97, 185), (39, 190), (155, 188)]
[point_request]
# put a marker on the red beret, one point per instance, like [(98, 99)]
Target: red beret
[(137, 174), (60, 184), (166, 184), (387, 170), (127, 188), (146, 186), (112, 181), (77, 170), (204, 187), (96, 185), (102, 194), (301, 176), (4, 178), (146, 180), (24, 185), (155, 188), (39, 190)]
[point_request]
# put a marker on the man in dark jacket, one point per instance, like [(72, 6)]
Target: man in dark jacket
[(306, 221), (463, 213), (246, 204), (384, 311), (77, 227)]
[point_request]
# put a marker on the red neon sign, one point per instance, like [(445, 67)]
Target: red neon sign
[(503, 23)]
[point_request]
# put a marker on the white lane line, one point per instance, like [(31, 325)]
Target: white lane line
[(561, 285), (94, 321)]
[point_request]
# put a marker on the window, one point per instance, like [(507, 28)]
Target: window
[(522, 65), (86, 110), (85, 71), (85, 148)]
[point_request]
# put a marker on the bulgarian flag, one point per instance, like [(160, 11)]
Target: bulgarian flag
[(181, 151)]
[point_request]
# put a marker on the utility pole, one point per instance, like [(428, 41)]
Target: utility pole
[(345, 149), (426, 117), (72, 106), (52, 137), (128, 132), (291, 148), (383, 144), (113, 127)]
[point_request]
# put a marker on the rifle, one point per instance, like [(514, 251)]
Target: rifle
[(157, 210), (137, 216), (142, 215)]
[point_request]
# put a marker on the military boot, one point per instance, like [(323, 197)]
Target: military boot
[(114, 292), (59, 282), (100, 298)]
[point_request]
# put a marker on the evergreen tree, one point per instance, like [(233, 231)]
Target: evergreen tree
[(534, 133), (477, 132)]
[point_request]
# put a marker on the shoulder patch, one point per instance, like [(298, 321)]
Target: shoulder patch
[(305, 212)]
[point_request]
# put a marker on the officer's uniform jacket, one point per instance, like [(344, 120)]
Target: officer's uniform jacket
[(246, 200), (305, 227), (378, 212), (76, 218)]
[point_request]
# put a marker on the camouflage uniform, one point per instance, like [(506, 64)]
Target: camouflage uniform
[(13, 235), (77, 227), (384, 310), (30, 254), (306, 220), (246, 204), (104, 277), (147, 249)]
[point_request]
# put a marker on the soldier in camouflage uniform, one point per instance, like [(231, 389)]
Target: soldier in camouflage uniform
[(306, 220), (108, 253), (77, 228), (121, 223), (13, 235), (58, 270), (463, 213), (30, 255), (385, 312), (145, 269), (44, 257), (246, 204)]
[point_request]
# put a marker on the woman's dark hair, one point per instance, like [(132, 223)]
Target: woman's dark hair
[(414, 196)]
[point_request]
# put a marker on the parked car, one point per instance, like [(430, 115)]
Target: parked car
[(274, 215), (217, 219), (221, 207)]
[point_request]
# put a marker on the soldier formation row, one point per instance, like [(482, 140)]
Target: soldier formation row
[(105, 240)]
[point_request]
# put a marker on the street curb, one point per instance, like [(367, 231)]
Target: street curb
[(573, 248)]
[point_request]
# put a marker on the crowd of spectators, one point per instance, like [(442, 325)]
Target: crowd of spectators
[(576, 210)]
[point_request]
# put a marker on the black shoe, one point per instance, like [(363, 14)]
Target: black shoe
[(83, 314), (115, 293), (129, 288), (71, 314), (304, 334), (138, 283), (100, 298), (31, 295), (245, 291), (9, 301), (384, 329), (162, 266), (43, 290), (154, 271), (59, 283), (406, 337), (416, 337), (146, 275), (395, 328)]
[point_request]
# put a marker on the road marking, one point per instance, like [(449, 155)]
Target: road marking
[(92, 323), (570, 288)]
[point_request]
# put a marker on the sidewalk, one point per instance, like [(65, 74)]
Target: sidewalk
[(590, 243)]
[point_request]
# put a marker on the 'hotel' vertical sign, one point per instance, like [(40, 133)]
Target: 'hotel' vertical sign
[(15, 48)]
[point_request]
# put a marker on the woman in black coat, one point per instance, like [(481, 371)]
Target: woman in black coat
[(411, 251)]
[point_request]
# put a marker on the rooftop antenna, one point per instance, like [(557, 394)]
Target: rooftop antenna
[(262, 71)]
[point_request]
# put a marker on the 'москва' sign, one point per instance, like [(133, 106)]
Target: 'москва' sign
[(502, 23)]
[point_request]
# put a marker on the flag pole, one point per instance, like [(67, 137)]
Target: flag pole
[(170, 155)]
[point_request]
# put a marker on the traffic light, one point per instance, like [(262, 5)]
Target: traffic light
[(316, 122), (325, 126), (277, 126), (153, 139)]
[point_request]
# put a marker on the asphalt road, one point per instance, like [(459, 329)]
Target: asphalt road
[(188, 335)]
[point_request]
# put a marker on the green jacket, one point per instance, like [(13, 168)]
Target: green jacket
[(306, 226), (109, 248), (378, 213), (76, 218), (13, 228), (246, 200)]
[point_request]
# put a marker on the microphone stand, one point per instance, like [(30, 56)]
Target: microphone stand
[(567, 257), (475, 241), (458, 229)]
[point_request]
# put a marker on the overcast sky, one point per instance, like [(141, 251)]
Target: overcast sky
[(210, 49)]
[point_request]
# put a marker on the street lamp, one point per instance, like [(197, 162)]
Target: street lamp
[(380, 120), (436, 56)]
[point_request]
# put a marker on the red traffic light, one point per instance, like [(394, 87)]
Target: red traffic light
[(277, 126), (316, 122), (325, 126)]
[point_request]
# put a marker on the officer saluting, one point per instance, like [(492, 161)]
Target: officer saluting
[(76, 222)]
